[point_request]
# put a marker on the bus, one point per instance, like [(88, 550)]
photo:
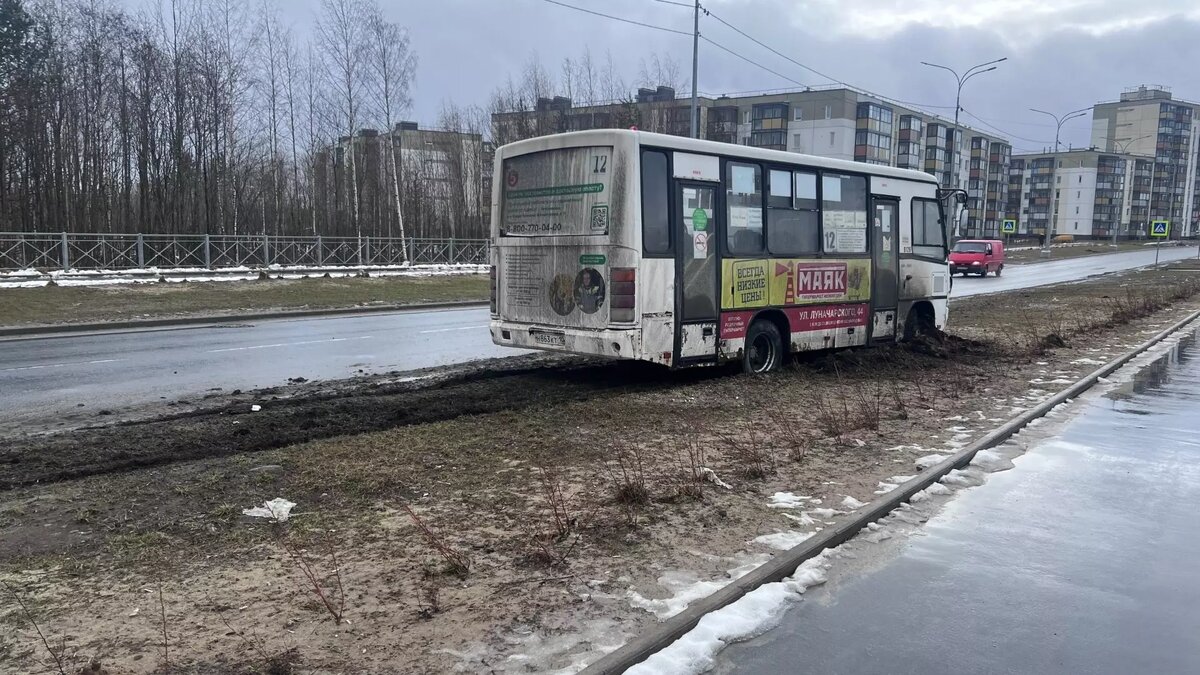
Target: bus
[(684, 252)]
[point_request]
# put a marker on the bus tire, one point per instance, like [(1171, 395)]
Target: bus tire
[(919, 322), (764, 348)]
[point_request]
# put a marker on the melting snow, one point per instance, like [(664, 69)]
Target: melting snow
[(927, 461), (852, 503), (783, 540), (754, 614), (687, 587), (787, 500)]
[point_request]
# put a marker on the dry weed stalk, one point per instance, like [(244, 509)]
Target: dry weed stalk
[(554, 493), (56, 654), (747, 448), (456, 561), (335, 606)]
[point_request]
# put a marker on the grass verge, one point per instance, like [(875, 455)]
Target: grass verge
[(92, 304)]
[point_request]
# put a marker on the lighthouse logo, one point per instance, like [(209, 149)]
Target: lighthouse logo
[(811, 281)]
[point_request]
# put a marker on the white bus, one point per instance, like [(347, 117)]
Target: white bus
[(685, 252)]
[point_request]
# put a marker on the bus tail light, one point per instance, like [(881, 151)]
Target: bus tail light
[(492, 285), (624, 290)]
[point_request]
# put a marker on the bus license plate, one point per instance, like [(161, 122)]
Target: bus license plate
[(550, 339)]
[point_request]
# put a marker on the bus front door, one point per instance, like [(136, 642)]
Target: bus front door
[(696, 273), (885, 251)]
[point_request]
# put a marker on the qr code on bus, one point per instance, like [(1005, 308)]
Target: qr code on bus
[(599, 218)]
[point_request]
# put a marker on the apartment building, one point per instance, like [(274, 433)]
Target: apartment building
[(1149, 121), (1083, 193), (442, 180), (836, 121)]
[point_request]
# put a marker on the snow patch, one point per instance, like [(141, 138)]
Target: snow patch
[(787, 500), (754, 614), (783, 540), (927, 461), (991, 461), (937, 489), (687, 587), (852, 503)]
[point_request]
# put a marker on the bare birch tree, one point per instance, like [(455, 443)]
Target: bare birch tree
[(341, 33), (392, 67)]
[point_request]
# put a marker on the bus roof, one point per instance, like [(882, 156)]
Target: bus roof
[(606, 136)]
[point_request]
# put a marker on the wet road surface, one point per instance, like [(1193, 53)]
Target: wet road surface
[(1081, 559), (43, 377), (1067, 269)]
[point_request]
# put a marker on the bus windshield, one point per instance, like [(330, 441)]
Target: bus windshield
[(970, 247)]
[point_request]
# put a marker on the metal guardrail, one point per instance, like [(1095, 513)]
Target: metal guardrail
[(69, 251)]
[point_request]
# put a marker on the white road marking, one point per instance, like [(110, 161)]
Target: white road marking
[(447, 330), (60, 365), (289, 344)]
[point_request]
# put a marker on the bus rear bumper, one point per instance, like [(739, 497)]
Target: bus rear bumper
[(620, 343)]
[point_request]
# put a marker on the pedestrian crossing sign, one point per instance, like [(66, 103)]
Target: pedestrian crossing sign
[(1009, 227), (1160, 228)]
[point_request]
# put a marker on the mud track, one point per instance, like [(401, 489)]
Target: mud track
[(225, 425)]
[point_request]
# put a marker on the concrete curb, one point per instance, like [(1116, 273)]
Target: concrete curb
[(785, 564), (59, 330)]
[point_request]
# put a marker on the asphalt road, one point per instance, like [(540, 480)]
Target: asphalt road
[(43, 378), (1080, 559), (1067, 269)]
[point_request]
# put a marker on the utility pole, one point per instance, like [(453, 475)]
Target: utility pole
[(695, 71), (1059, 121), (960, 81)]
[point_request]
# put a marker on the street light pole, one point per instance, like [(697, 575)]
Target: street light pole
[(695, 72), (960, 80), (1124, 150), (1058, 121)]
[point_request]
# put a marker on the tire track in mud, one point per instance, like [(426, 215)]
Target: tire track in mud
[(226, 425)]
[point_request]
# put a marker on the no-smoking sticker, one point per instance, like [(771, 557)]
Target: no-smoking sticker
[(700, 245)]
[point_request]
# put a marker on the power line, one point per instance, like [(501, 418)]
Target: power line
[(679, 32), (835, 80), (678, 4), (774, 51), (751, 61), (617, 18), (1002, 131)]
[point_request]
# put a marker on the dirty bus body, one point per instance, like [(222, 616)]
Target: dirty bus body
[(685, 252)]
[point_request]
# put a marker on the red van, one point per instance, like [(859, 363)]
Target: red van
[(977, 256)]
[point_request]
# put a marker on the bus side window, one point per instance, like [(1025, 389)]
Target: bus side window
[(928, 237), (793, 226), (844, 213), (745, 200), (656, 189)]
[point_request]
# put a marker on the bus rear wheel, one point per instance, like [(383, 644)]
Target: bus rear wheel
[(764, 348)]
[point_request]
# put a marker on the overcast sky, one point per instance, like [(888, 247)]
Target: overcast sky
[(1062, 54)]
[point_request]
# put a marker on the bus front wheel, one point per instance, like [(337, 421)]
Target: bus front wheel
[(764, 348)]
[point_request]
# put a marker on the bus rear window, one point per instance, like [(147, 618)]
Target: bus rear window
[(565, 192)]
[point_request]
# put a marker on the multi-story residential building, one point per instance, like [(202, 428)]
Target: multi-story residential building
[(1148, 120), (442, 180), (1083, 193), (837, 122)]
